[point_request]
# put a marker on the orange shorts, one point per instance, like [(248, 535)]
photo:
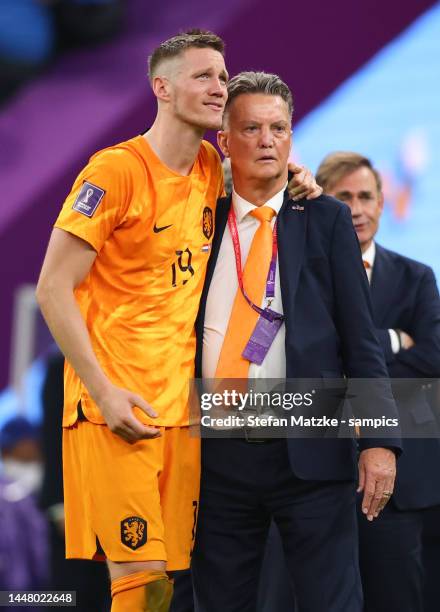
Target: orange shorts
[(135, 502)]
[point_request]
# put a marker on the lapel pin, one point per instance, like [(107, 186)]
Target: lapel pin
[(297, 207)]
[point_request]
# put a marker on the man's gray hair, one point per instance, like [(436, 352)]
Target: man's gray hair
[(258, 82)]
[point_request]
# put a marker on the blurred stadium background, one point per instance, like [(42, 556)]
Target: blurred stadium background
[(365, 77)]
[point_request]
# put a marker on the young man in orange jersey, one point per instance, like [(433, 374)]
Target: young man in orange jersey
[(120, 290)]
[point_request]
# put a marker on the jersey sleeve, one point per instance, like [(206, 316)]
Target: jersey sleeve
[(99, 199)]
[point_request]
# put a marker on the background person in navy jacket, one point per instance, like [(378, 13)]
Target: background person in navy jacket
[(406, 310), (306, 485)]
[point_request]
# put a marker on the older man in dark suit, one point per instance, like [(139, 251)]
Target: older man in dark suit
[(406, 310), (303, 260)]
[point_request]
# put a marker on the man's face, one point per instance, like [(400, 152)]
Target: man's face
[(359, 190), (257, 137), (198, 88)]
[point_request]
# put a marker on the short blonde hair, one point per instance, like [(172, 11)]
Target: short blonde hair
[(173, 47)]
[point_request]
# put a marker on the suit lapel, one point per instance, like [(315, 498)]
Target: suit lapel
[(384, 279), (292, 225), (221, 218)]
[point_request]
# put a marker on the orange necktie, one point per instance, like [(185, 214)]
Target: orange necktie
[(366, 264), (244, 318)]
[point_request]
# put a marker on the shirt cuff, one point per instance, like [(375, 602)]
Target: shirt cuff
[(395, 344)]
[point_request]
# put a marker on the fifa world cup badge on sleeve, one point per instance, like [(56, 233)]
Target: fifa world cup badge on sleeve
[(88, 199)]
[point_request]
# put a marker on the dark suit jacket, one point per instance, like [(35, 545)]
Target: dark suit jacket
[(329, 327), (405, 296), (53, 399)]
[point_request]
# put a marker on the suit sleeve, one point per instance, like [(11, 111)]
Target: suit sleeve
[(423, 359), (361, 352), (383, 335)]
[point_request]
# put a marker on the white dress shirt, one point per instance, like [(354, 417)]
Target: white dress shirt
[(224, 286), (369, 256)]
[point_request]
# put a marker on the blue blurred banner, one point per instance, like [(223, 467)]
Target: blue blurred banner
[(389, 110)]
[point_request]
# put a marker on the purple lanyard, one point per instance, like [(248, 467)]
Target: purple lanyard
[(270, 282)]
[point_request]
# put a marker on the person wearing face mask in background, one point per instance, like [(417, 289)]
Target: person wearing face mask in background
[(23, 544), (21, 455), (88, 578)]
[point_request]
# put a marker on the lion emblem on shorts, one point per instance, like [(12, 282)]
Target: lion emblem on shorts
[(133, 532), (207, 222)]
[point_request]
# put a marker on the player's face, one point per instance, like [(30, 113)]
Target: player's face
[(257, 137), (199, 88), (359, 190)]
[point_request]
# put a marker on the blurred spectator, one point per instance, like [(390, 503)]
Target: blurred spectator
[(87, 22), (23, 542), (21, 455), (32, 31), (27, 40), (88, 578), (406, 312), (431, 532)]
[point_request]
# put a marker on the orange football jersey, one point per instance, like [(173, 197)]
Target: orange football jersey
[(152, 230)]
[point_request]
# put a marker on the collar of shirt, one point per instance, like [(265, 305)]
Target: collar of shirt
[(242, 207), (370, 254)]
